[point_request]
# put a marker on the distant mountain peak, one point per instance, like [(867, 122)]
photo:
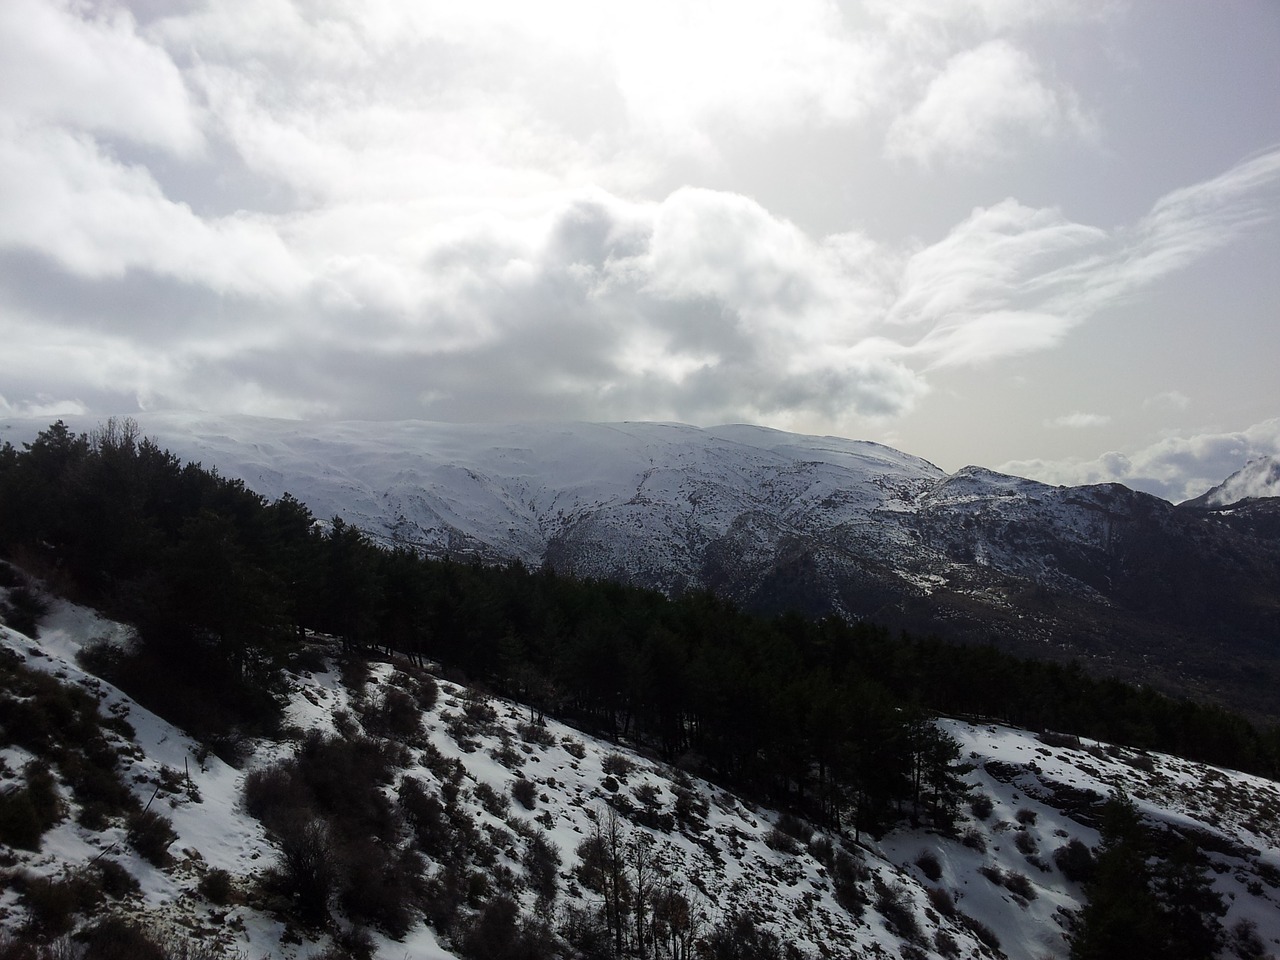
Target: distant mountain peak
[(1256, 479)]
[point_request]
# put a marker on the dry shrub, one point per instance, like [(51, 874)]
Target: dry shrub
[(150, 833), (1076, 861), (929, 865), (525, 793)]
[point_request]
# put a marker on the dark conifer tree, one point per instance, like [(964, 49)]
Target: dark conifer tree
[(1123, 919), (1192, 909)]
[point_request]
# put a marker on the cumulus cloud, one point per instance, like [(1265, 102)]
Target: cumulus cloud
[(92, 71), (61, 195), (982, 102), (1176, 468), (473, 212), (703, 306)]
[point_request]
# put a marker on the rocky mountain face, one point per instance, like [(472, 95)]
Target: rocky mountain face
[(1248, 500), (1185, 598)]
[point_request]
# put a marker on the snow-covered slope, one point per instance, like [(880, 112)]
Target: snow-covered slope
[(913, 893), (663, 505), (778, 521), (521, 491)]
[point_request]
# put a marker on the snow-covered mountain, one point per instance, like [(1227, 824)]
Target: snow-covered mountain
[(1256, 479), (1174, 597), (531, 491), (996, 889)]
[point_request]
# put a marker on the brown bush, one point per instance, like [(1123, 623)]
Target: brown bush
[(1076, 861), (929, 865), (525, 793), (52, 903), (215, 886), (150, 833)]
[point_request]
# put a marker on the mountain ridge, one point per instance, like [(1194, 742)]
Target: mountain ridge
[(773, 521)]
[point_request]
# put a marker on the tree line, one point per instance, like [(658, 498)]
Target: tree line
[(827, 716)]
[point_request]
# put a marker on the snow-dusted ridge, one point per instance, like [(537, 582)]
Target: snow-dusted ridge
[(658, 504), (510, 491), (725, 864), (1177, 598)]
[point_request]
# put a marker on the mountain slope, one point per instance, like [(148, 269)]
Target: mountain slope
[(911, 894), (1183, 599)]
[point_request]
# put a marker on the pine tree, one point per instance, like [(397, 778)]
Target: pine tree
[(1123, 918), (1192, 908)]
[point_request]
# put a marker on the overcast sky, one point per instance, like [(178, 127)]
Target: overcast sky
[(1042, 237)]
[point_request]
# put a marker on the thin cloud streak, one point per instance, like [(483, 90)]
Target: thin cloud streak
[(1079, 420), (1011, 279)]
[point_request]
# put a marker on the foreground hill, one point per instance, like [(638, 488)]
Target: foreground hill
[(1185, 599), (464, 826)]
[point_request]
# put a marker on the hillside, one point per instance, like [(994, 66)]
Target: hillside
[(1183, 599), (448, 808)]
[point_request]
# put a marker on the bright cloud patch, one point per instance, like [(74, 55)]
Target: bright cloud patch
[(63, 196), (92, 72), (980, 100), (1078, 420), (43, 407)]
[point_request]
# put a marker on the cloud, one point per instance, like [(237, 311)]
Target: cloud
[(1185, 225), (434, 99), (994, 254), (472, 211), (1079, 420), (981, 292), (1012, 279), (983, 101), (43, 406), (1176, 468), (1170, 400), (444, 98), (61, 195), (766, 68), (929, 16), (93, 72), (703, 306)]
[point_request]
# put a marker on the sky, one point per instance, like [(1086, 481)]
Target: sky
[(1042, 238)]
